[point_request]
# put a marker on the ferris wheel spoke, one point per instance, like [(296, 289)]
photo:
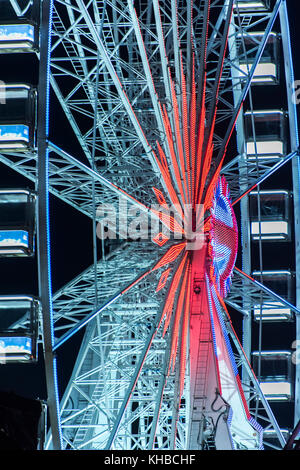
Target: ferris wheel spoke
[(171, 119), (166, 219), (212, 109), (133, 382), (170, 350), (168, 326), (169, 79), (116, 79), (162, 50), (152, 90), (244, 360), (169, 257), (146, 66)]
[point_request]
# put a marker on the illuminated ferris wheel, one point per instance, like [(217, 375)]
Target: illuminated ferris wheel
[(179, 128)]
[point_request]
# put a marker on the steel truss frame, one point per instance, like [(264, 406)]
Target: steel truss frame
[(119, 395)]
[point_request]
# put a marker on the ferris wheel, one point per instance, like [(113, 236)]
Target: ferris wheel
[(175, 141)]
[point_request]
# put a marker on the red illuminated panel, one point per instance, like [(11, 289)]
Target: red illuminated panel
[(169, 135), (168, 307), (178, 314), (186, 130), (167, 179), (163, 279), (193, 124), (169, 221), (184, 333), (160, 198), (200, 141), (160, 239), (163, 159)]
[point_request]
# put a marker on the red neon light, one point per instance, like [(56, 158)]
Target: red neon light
[(179, 141), (163, 159), (160, 239), (175, 332), (171, 255), (184, 334), (160, 198), (186, 130), (163, 280), (244, 274), (169, 221), (135, 282), (172, 151), (201, 128), (193, 124), (210, 191), (166, 177), (168, 307)]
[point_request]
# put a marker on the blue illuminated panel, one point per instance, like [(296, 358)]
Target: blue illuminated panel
[(16, 35), (14, 135)]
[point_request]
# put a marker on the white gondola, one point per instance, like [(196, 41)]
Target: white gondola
[(18, 329), (17, 222), (17, 119), (280, 282), (269, 140), (267, 70)]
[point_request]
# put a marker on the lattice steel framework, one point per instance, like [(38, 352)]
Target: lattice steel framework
[(109, 68)]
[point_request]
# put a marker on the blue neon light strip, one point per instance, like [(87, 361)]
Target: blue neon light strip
[(251, 420), (13, 132)]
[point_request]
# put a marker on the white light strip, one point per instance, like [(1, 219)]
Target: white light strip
[(249, 5), (274, 352), (264, 72), (265, 147), (272, 311), (276, 390), (270, 192), (271, 273), (270, 228), (268, 111)]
